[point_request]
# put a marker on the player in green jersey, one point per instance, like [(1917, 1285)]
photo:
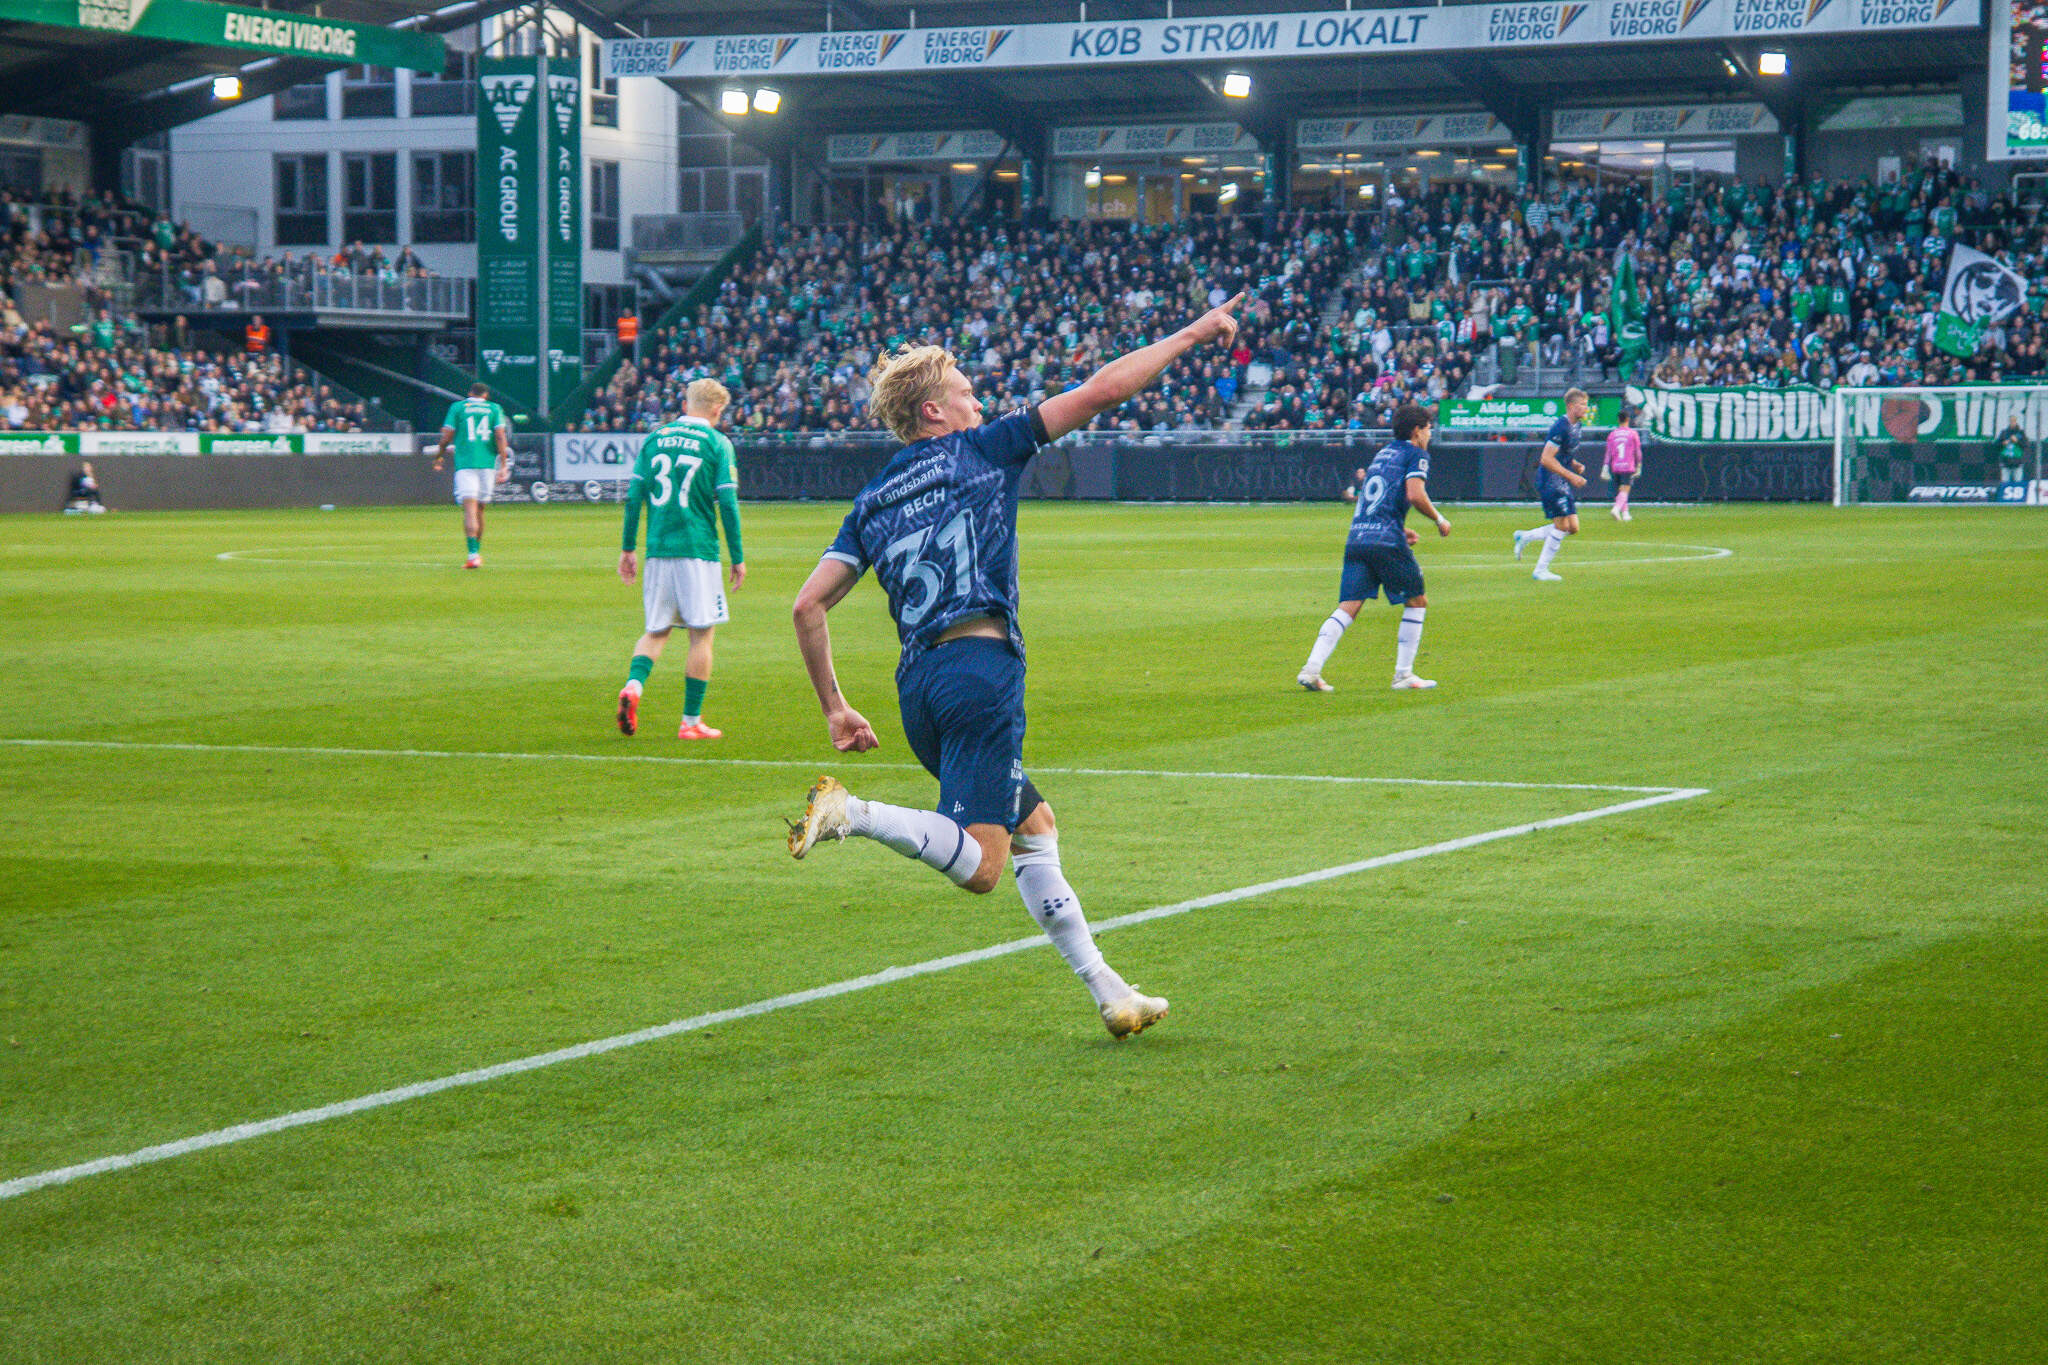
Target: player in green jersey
[(477, 428), (684, 471)]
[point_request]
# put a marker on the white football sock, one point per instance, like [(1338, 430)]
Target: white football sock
[(1331, 631), (1058, 911), (1545, 529), (1407, 640), (633, 686), (925, 835), (1553, 541)]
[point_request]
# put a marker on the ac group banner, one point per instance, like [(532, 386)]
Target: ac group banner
[(91, 443), (1313, 33)]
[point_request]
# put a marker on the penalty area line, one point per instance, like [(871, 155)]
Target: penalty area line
[(222, 1137), (853, 764)]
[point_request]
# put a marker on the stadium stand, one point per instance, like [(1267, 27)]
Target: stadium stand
[(1807, 283), (75, 356)]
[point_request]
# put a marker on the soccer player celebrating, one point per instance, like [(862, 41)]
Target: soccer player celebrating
[(939, 527), (1378, 553), (479, 431), (1624, 461), (1555, 484), (682, 471)]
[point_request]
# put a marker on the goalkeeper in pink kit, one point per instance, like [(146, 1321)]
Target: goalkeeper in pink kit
[(1624, 461)]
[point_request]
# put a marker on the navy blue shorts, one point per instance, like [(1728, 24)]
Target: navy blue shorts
[(1370, 568), (1558, 502), (963, 712)]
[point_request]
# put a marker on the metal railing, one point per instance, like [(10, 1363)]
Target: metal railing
[(256, 287), (882, 441)]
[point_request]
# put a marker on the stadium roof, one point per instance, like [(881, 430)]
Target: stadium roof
[(1512, 83), (127, 86)]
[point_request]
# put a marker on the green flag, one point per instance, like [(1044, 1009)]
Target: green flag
[(1625, 313)]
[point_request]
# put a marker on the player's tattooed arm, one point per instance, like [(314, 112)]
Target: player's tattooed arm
[(823, 590), (1133, 372)]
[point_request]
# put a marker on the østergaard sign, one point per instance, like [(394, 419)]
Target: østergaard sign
[(1314, 33), (274, 32)]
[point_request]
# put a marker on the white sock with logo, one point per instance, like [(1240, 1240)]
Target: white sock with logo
[(1407, 640), (925, 835), (1553, 541), (1057, 910), (1327, 636)]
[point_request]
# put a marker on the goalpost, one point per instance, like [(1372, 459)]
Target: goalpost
[(1932, 444)]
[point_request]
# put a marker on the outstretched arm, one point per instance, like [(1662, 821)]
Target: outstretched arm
[(1132, 373), (823, 590)]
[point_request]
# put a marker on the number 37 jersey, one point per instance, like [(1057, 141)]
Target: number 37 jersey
[(677, 476), (938, 526), (1383, 497)]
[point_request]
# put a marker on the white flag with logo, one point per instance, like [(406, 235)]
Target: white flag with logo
[(1979, 292)]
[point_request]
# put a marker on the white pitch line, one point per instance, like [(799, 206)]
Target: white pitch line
[(311, 751), (242, 1132)]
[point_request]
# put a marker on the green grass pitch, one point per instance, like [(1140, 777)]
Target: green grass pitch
[(1750, 1076)]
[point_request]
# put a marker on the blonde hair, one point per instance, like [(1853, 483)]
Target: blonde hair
[(708, 394), (1570, 394), (903, 383)]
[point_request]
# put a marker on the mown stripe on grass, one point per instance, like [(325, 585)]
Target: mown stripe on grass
[(222, 1137), (170, 746)]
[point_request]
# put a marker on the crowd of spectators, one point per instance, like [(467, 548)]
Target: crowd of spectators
[(187, 271), (1028, 311), (1811, 282), (108, 371), (111, 378), (1827, 283)]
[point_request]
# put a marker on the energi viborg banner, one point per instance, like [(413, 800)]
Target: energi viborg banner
[(1311, 33), (276, 32)]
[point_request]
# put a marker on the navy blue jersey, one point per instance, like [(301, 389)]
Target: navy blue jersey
[(1382, 508), (939, 527), (1565, 437)]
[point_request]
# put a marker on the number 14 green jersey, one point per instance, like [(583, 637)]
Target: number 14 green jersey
[(683, 471), (475, 422)]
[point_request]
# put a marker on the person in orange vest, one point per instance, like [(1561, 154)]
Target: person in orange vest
[(629, 333), (256, 336)]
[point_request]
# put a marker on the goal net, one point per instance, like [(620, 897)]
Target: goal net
[(1977, 444)]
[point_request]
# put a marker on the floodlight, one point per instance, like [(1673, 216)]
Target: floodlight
[(733, 102), (1771, 63), (1237, 85), (767, 101), (1093, 177), (227, 87), (1228, 194)]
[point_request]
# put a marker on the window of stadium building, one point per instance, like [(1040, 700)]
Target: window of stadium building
[(1157, 191), (302, 199), (1658, 164), (443, 200), (451, 91), (369, 197), (1363, 180), (369, 92), (308, 101), (911, 193)]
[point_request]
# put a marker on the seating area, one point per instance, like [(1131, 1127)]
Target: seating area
[(1815, 282), (109, 370)]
